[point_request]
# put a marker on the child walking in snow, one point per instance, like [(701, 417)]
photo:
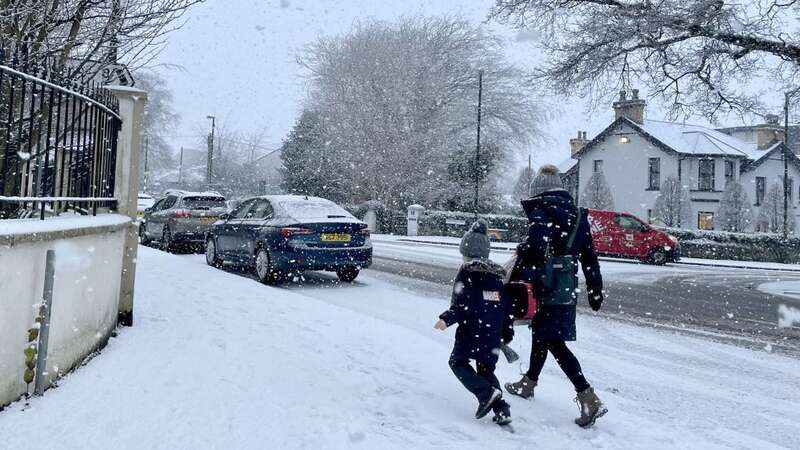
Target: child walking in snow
[(485, 322)]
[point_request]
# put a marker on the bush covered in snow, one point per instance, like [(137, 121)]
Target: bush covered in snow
[(456, 223), (737, 246)]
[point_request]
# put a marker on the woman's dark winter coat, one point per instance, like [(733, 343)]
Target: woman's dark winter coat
[(482, 311), (552, 216)]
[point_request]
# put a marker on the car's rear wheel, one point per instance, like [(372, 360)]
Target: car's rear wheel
[(212, 259), (657, 257), (263, 268), (348, 274)]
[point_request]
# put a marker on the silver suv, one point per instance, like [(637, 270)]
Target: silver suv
[(181, 218)]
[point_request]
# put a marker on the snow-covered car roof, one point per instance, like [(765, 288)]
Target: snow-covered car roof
[(300, 207)]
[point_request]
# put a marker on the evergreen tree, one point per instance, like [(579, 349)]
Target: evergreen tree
[(735, 213), (309, 165), (673, 205), (597, 194)]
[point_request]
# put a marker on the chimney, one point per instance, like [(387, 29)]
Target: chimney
[(770, 132), (633, 109), (577, 144)]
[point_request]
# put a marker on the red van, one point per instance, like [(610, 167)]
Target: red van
[(624, 235)]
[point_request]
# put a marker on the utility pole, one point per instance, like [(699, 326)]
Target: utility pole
[(210, 163), (478, 142), (180, 170), (786, 166)]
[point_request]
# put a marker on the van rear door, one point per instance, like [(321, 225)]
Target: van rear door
[(601, 224)]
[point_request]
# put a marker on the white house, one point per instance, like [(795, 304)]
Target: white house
[(636, 154)]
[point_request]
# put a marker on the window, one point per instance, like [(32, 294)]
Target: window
[(261, 210), (157, 205), (705, 179), (730, 176), (597, 166), (242, 210), (169, 202), (654, 174), (761, 190), (705, 220), (629, 223), (203, 202)]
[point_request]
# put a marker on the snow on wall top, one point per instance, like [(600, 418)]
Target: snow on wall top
[(14, 227)]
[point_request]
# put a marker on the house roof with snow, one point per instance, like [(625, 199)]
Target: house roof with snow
[(682, 139), (567, 165)]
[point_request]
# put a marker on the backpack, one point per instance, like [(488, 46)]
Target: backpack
[(560, 280)]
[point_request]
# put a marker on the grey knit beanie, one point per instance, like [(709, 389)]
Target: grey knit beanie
[(475, 243), (548, 179)]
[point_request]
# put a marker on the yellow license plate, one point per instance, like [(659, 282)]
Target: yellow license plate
[(335, 237)]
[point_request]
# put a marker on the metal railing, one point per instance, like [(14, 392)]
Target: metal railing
[(58, 145)]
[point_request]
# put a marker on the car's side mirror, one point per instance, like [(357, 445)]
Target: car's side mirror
[(225, 216), (148, 210)]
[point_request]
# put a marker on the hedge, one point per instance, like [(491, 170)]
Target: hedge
[(767, 247), (456, 223), (388, 221)]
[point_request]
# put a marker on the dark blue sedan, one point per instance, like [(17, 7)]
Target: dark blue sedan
[(280, 234)]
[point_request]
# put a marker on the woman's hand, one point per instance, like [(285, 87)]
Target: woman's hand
[(440, 325)]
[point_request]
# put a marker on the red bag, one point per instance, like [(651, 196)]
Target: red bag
[(523, 298)]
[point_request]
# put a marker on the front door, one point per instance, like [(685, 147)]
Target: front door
[(631, 236), (251, 227)]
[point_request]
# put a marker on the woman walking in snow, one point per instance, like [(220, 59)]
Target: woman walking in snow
[(557, 228)]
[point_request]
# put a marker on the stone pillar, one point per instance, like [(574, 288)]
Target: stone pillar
[(414, 214), (126, 188)]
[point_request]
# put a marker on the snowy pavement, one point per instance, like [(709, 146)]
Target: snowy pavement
[(218, 361)]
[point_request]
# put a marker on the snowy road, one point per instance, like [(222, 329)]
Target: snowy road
[(713, 301), (218, 361)]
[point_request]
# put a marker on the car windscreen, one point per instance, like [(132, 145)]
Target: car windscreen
[(309, 209), (204, 202)]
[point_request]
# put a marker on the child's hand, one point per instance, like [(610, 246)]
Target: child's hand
[(440, 325)]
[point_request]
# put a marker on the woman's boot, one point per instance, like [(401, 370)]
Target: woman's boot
[(591, 408), (522, 388)]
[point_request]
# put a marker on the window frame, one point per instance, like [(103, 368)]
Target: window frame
[(706, 180), (761, 190), (707, 214), (597, 167), (654, 175), (730, 177)]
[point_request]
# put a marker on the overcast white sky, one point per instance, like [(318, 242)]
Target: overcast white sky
[(238, 61)]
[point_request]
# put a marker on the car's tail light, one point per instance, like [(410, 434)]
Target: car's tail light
[(183, 213), (363, 232), (288, 232)]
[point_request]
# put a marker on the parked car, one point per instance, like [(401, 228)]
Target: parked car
[(279, 234), (624, 235), (181, 218)]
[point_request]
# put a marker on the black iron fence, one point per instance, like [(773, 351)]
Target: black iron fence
[(58, 145)]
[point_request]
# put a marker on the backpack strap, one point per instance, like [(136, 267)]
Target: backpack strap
[(574, 232)]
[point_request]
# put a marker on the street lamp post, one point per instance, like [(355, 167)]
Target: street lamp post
[(210, 164), (478, 142), (787, 96)]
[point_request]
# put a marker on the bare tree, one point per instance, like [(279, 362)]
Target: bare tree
[(160, 120), (522, 188), (76, 39), (597, 194), (673, 205), (735, 210), (398, 100), (770, 215), (696, 54)]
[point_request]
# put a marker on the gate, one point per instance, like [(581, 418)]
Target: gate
[(58, 145)]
